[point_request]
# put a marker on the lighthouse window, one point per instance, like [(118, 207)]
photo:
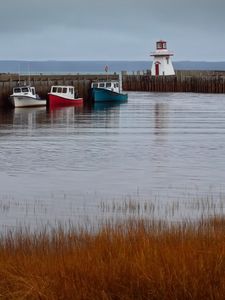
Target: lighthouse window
[(164, 45), (167, 59), (159, 45)]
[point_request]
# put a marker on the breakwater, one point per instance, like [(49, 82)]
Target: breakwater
[(183, 81), (43, 83)]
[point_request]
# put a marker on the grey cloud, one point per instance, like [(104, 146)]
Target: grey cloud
[(27, 15), (134, 25)]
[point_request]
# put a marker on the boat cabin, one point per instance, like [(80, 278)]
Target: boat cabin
[(24, 90), (63, 91), (108, 85)]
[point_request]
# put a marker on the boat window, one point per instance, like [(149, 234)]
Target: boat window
[(117, 84), (59, 90), (25, 90), (108, 84), (17, 90), (101, 85), (71, 90), (114, 85), (54, 89), (33, 92), (64, 90), (95, 85)]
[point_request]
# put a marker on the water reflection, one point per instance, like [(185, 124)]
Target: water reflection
[(34, 117), (162, 146), (29, 117), (6, 118), (161, 111), (106, 106), (66, 116)]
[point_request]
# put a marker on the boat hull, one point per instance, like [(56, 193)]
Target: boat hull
[(23, 101), (103, 95), (57, 101)]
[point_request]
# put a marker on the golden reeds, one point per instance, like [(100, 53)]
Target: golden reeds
[(131, 260)]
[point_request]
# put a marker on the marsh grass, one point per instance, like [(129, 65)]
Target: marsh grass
[(136, 259), (170, 209)]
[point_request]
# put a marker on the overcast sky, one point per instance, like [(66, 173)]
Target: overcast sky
[(118, 29)]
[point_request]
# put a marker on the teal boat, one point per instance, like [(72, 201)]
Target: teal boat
[(107, 91)]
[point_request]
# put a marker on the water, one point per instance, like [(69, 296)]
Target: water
[(65, 67), (81, 164)]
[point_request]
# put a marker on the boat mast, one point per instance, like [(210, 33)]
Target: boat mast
[(106, 70), (19, 74), (29, 74)]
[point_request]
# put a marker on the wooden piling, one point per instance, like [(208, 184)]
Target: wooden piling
[(183, 81)]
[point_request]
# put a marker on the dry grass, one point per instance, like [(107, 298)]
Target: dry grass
[(134, 260)]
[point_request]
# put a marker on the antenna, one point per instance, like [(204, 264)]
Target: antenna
[(106, 70), (19, 74), (29, 74)]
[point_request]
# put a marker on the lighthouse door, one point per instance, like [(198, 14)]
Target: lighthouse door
[(157, 69)]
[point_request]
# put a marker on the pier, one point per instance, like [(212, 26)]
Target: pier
[(182, 81), (43, 83)]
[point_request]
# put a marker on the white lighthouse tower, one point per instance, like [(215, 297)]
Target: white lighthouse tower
[(162, 65)]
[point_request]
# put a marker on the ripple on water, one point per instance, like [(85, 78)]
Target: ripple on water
[(164, 146)]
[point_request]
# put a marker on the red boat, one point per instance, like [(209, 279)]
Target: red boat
[(63, 96)]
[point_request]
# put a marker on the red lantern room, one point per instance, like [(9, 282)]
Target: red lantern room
[(161, 45)]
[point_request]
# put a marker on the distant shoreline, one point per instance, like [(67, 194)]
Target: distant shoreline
[(60, 66)]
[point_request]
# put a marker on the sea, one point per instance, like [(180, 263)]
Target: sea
[(73, 67), (160, 155), (156, 156)]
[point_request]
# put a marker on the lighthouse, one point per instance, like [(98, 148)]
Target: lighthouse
[(162, 64)]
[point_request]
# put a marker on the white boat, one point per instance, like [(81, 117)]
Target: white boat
[(25, 96)]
